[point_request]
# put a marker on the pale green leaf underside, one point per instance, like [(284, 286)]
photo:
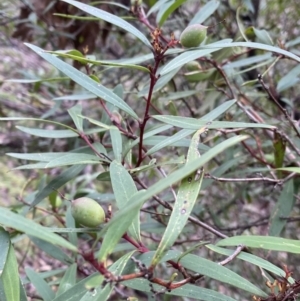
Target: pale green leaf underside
[(20, 223), (263, 242), (185, 201)]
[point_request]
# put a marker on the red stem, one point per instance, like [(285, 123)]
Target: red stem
[(153, 80)]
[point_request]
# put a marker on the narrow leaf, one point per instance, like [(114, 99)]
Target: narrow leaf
[(110, 18), (190, 291), (10, 276), (263, 242), (48, 133), (255, 46), (51, 250), (250, 258), (68, 280), (116, 269), (283, 209), (170, 7), (150, 133), (289, 79), (116, 141), (185, 201), (205, 12), (291, 169), (84, 80), (263, 36), (156, 6), (74, 159), (113, 234), (182, 59), (46, 157), (57, 182), (74, 112), (124, 188), (40, 284), (194, 124), (183, 133), (84, 60), (218, 272), (76, 292), (4, 247), (29, 227)]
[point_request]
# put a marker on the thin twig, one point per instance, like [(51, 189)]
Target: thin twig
[(191, 218), (283, 110), (244, 106), (238, 250)]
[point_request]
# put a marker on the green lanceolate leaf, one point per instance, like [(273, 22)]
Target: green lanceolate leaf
[(190, 291), (194, 124), (76, 292), (164, 13), (184, 58), (84, 80), (124, 188), (68, 280), (102, 294), (52, 250), (110, 18), (263, 242), (185, 200), (57, 182), (48, 133), (205, 12), (117, 143), (255, 46), (219, 272), (75, 159), (9, 274), (74, 112), (249, 258), (282, 209), (29, 227), (84, 60), (114, 233), (41, 285), (4, 247), (185, 132), (291, 169)]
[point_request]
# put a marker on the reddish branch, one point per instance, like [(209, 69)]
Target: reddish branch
[(158, 51)]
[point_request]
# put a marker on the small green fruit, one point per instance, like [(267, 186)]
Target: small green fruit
[(197, 76), (55, 200), (87, 212), (193, 66), (193, 35)]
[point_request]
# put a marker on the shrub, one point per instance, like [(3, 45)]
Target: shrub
[(188, 164)]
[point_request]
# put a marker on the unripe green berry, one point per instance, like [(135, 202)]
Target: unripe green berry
[(87, 212), (193, 66), (55, 200), (193, 35)]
